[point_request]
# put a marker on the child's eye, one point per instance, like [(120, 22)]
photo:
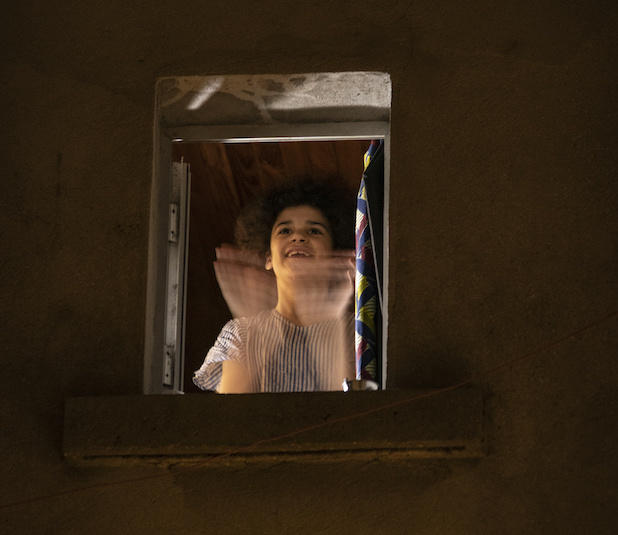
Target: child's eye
[(283, 230), (315, 231)]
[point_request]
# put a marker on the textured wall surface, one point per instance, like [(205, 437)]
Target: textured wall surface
[(503, 240)]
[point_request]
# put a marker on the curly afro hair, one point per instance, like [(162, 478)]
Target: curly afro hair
[(336, 202)]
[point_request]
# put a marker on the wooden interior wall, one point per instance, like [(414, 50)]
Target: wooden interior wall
[(224, 176)]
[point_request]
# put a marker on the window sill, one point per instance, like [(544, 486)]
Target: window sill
[(171, 428)]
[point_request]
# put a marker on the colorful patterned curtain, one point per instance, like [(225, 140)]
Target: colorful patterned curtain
[(367, 298)]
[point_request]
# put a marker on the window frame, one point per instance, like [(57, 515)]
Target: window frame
[(178, 126)]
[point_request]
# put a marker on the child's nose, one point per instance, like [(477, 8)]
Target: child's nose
[(298, 236)]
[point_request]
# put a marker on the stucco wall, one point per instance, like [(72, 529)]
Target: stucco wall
[(503, 240)]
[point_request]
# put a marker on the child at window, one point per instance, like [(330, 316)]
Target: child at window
[(303, 231)]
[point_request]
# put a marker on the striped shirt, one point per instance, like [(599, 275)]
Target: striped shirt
[(280, 356)]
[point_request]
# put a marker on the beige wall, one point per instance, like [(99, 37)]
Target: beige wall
[(503, 240)]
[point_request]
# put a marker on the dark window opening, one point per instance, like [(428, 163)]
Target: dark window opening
[(223, 177)]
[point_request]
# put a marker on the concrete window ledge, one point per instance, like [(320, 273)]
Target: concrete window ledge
[(198, 426)]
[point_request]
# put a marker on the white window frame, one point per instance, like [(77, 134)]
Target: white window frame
[(175, 119)]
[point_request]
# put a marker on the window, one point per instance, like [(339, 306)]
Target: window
[(326, 106), (237, 117)]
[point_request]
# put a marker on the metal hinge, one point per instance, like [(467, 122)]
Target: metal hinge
[(174, 216), (169, 357)]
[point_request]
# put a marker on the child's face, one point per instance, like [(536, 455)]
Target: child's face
[(299, 235)]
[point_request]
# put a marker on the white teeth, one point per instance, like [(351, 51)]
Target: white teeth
[(297, 253)]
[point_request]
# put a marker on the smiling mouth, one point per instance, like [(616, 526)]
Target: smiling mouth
[(293, 254)]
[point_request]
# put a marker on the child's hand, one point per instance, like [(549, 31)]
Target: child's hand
[(245, 284), (324, 287)]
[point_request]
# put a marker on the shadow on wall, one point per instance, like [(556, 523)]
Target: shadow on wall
[(311, 501), (431, 369)]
